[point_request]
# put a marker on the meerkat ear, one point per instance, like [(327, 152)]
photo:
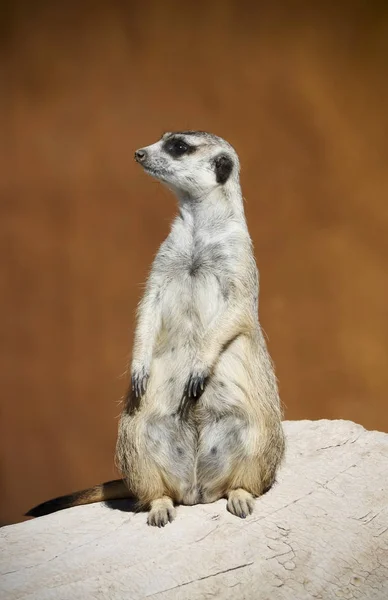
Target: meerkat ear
[(223, 166)]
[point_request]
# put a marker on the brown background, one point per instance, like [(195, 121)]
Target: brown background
[(301, 92)]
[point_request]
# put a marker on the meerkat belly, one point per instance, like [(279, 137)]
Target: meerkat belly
[(195, 451), (189, 305)]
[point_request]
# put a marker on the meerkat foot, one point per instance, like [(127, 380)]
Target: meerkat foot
[(240, 503), (162, 511)]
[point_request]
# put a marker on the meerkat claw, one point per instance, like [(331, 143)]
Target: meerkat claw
[(139, 384), (195, 385)]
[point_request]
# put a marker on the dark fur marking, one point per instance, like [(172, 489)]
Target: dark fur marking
[(177, 147), (69, 500), (223, 166), (53, 505), (184, 408), (213, 451), (225, 292), (200, 493), (203, 256), (194, 267)]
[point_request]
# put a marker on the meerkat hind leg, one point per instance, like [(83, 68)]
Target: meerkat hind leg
[(162, 511), (240, 503)]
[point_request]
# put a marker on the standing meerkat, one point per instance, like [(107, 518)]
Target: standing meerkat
[(202, 420)]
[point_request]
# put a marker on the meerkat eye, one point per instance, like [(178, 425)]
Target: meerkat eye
[(177, 148)]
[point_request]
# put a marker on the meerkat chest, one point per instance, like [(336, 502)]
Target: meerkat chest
[(193, 299), (206, 256), (196, 285)]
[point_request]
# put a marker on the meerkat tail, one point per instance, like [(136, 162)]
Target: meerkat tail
[(110, 490)]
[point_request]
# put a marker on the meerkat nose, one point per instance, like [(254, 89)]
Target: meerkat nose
[(140, 155)]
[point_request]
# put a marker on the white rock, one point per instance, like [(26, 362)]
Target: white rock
[(320, 532)]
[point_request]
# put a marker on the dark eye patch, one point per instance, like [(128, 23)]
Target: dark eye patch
[(177, 147)]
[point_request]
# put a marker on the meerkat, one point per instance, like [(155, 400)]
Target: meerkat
[(202, 418)]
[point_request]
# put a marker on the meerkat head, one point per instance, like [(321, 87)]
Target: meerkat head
[(192, 163)]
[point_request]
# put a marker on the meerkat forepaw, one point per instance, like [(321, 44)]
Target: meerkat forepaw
[(139, 382), (196, 383), (240, 503), (162, 512)]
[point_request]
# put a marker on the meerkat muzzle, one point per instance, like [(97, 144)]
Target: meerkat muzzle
[(140, 156)]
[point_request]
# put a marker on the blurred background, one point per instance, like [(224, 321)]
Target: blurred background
[(300, 89)]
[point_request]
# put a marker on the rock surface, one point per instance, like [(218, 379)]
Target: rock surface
[(320, 532)]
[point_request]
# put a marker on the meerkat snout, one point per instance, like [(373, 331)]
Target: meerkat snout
[(140, 155)]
